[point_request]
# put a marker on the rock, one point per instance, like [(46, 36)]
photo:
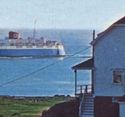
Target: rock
[(65, 109)]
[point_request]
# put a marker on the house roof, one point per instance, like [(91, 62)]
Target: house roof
[(88, 64), (117, 23), (120, 21)]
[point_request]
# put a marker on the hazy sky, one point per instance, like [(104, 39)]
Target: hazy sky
[(64, 14)]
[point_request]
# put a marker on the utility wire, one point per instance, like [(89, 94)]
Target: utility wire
[(42, 68)]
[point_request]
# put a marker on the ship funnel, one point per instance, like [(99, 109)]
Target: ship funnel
[(13, 35)]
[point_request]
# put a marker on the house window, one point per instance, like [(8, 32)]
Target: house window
[(117, 76)]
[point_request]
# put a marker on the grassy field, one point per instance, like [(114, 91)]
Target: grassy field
[(10, 107)]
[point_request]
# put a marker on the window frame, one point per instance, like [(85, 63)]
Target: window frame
[(117, 72)]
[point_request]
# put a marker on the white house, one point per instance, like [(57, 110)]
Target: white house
[(108, 74)]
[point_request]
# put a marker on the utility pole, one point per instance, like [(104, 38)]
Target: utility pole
[(93, 62)]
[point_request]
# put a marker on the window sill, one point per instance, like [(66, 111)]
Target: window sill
[(117, 84)]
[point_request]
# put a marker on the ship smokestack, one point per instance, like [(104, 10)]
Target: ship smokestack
[(13, 35)]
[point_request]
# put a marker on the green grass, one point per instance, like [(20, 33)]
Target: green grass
[(27, 107)]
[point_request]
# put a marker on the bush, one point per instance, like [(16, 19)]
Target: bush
[(1, 115)]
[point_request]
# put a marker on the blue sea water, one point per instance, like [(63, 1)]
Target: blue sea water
[(58, 78)]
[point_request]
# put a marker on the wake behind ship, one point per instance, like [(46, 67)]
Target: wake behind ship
[(15, 46)]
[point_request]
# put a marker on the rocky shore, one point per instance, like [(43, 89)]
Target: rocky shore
[(65, 109)]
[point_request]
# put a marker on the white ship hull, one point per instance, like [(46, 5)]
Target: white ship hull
[(34, 51)]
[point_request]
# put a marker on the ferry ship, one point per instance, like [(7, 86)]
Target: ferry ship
[(15, 46)]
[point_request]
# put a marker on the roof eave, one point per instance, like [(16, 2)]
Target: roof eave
[(85, 68), (86, 65), (120, 22)]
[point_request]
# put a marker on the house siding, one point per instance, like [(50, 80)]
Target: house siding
[(109, 54), (103, 107)]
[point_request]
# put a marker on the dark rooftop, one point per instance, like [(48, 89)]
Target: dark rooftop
[(120, 21), (88, 64)]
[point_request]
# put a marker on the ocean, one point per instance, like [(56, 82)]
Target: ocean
[(58, 77)]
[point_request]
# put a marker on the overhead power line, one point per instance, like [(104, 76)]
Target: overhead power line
[(42, 68)]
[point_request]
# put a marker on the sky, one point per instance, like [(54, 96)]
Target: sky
[(60, 14)]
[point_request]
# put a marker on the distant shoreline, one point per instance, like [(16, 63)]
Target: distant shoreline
[(35, 97)]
